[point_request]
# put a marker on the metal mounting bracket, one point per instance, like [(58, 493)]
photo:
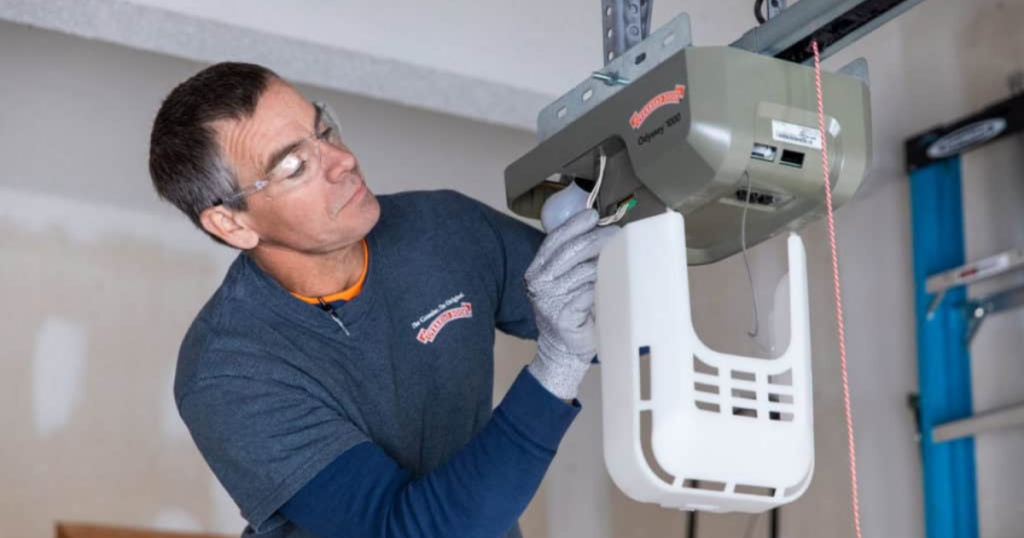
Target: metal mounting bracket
[(669, 39), (626, 23), (981, 309)]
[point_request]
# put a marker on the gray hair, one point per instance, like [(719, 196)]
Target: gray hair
[(185, 160)]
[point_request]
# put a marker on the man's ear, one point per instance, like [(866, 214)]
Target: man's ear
[(226, 225)]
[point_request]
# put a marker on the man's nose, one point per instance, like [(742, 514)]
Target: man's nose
[(338, 161)]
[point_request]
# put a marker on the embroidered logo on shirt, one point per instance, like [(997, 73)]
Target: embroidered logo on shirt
[(429, 333)]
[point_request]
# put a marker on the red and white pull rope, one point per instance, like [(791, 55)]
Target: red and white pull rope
[(839, 297)]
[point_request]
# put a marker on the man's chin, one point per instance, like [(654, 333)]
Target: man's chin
[(370, 207)]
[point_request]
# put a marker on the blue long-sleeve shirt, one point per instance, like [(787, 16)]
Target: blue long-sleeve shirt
[(278, 398), (480, 492)]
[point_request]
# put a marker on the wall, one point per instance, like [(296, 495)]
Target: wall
[(109, 278), (101, 279), (993, 46)]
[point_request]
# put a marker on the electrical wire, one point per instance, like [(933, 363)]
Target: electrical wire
[(757, 11), (746, 262), (623, 207), (768, 351), (602, 162), (758, 6)]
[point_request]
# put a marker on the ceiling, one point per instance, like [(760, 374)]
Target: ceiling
[(493, 62), (497, 62)]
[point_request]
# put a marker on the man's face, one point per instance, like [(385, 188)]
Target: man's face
[(331, 210)]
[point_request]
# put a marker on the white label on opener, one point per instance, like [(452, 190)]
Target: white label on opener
[(792, 133)]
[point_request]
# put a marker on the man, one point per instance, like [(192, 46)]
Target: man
[(339, 381)]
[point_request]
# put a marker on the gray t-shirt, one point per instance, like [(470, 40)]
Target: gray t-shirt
[(272, 389)]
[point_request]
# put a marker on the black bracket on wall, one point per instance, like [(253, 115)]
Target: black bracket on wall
[(942, 142)]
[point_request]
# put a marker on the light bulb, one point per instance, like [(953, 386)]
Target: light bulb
[(562, 205)]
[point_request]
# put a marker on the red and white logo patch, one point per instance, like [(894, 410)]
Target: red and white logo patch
[(671, 97), (428, 334)]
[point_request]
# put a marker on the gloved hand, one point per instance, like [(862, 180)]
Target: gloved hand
[(560, 285)]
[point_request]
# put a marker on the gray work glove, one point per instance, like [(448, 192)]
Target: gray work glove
[(560, 285)]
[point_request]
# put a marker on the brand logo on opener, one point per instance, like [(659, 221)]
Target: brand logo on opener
[(429, 333), (671, 97)]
